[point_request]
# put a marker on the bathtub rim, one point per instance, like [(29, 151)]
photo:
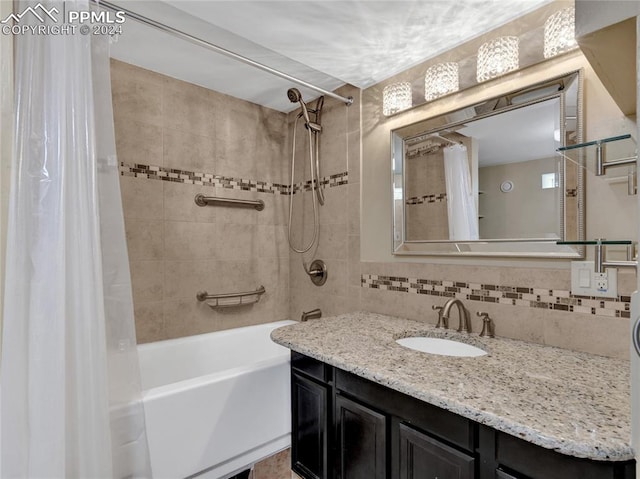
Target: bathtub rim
[(168, 389), (223, 332)]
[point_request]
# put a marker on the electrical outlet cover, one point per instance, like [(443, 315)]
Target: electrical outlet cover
[(612, 284), (586, 282)]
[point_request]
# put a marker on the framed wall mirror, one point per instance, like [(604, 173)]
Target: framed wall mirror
[(486, 180)]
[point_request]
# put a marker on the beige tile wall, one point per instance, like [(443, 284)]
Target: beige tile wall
[(595, 334), (339, 244), (177, 248)]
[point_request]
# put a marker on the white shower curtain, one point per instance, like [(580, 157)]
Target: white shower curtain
[(461, 203), (69, 378)]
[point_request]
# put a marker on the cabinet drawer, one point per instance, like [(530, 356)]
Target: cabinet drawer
[(424, 456), (431, 419), (535, 462), (309, 366), (500, 474)]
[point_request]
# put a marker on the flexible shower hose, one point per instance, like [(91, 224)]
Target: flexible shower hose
[(313, 167)]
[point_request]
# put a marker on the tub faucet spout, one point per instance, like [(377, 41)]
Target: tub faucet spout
[(463, 315), (313, 314)]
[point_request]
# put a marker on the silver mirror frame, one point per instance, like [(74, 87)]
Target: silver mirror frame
[(533, 248)]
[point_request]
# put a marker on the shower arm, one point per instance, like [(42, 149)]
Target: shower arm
[(222, 51)]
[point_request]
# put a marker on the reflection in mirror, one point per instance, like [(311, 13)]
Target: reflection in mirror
[(487, 179)]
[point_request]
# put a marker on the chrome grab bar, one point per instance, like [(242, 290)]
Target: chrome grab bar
[(202, 200), (215, 298)]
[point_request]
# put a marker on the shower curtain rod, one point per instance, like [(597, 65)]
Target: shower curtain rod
[(223, 51)]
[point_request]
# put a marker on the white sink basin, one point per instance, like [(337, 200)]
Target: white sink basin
[(443, 347)]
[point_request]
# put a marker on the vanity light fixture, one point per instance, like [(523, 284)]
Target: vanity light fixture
[(396, 97), (497, 57), (441, 79), (560, 32)]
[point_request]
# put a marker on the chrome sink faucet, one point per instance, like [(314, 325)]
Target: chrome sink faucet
[(463, 315)]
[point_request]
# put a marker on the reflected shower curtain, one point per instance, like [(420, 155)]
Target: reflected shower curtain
[(69, 379), (461, 203)]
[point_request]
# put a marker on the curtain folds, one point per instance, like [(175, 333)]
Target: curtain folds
[(461, 202), (69, 379)]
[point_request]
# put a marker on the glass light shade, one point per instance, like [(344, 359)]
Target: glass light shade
[(396, 97), (560, 32), (497, 57), (440, 80)]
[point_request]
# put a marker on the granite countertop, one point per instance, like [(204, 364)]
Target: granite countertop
[(575, 403)]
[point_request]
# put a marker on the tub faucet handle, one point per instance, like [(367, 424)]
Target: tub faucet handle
[(441, 320), (487, 325)]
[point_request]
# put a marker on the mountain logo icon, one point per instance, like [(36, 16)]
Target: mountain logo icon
[(39, 11)]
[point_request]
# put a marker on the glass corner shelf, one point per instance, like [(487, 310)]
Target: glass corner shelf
[(603, 157), (596, 242), (600, 258), (596, 142)]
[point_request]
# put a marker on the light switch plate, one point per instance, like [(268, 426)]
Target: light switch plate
[(582, 278), (586, 282)]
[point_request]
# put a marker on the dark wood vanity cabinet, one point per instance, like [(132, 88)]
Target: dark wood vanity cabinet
[(347, 427), (361, 440)]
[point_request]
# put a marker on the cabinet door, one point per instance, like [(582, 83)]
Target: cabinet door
[(309, 428), (423, 457), (361, 435)]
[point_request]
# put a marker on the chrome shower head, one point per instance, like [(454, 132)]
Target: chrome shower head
[(294, 95)]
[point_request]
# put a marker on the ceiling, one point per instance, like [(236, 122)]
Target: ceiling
[(324, 42)]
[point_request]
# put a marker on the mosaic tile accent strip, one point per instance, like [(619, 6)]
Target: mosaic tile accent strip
[(418, 200), (326, 181), (217, 181), (429, 148), (555, 299), (572, 192)]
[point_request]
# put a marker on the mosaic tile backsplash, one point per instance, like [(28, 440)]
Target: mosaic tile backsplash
[(437, 198), (417, 200), (217, 181), (559, 300)]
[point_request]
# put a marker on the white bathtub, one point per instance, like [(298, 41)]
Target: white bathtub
[(215, 403)]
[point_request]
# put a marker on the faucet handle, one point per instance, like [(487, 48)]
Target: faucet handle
[(487, 325), (439, 310)]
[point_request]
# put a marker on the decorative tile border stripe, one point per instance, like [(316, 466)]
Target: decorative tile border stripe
[(326, 181), (558, 300), (428, 148), (572, 192), (418, 200), (217, 181)]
